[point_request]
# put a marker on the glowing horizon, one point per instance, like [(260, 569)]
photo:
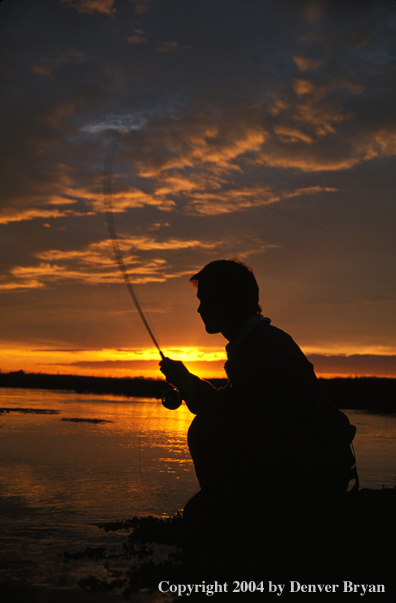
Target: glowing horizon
[(205, 362)]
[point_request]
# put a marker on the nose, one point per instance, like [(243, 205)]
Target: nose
[(199, 309)]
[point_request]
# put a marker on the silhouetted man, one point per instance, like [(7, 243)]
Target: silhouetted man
[(271, 452)]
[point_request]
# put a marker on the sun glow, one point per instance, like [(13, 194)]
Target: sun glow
[(131, 362), (206, 362)]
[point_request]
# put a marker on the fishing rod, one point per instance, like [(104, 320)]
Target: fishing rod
[(171, 398)]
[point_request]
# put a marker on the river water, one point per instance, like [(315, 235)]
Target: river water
[(122, 457)]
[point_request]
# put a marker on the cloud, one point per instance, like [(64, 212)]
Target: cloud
[(128, 198), (96, 264), (168, 47), (25, 283), (20, 215), (239, 199), (141, 6), (91, 6), (308, 125), (290, 134), (56, 119), (380, 144), (100, 252), (47, 66), (191, 142), (355, 365), (51, 273), (227, 201), (172, 47), (308, 64), (137, 37)]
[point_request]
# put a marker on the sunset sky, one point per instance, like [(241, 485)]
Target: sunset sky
[(263, 130)]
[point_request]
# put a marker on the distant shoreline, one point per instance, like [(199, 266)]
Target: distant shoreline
[(376, 394)]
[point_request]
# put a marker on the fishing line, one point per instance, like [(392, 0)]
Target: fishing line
[(107, 189), (171, 398), (140, 457)]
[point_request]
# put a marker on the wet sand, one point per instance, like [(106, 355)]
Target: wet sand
[(370, 544)]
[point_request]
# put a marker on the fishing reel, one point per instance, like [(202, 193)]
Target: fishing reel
[(171, 398)]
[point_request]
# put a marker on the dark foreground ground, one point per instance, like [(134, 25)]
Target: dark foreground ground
[(150, 554)]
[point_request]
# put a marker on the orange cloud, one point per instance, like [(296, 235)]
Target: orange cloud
[(91, 6), (133, 198), (58, 115), (137, 37), (27, 276), (213, 150), (382, 144), (354, 365), (302, 87), (141, 6), (357, 150), (98, 253), (310, 190), (207, 147), (290, 135), (23, 284), (306, 64), (19, 215), (313, 11), (320, 118), (222, 202), (223, 154), (238, 199), (308, 163), (46, 195), (47, 66), (96, 263)]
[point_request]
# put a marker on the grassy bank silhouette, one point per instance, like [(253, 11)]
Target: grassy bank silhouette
[(375, 394)]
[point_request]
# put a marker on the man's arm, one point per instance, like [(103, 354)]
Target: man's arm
[(200, 396)]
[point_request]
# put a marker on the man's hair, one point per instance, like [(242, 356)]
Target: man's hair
[(230, 284)]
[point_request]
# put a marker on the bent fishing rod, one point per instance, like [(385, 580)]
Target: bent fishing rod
[(171, 398)]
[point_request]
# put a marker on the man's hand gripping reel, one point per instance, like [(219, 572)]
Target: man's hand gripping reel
[(171, 398)]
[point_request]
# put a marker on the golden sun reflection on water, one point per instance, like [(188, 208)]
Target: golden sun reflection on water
[(135, 457)]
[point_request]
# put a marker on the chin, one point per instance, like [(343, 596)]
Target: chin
[(211, 329)]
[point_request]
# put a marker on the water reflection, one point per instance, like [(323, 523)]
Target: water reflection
[(135, 460), (375, 446)]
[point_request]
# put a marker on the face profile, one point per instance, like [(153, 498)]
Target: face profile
[(212, 315), (228, 294)]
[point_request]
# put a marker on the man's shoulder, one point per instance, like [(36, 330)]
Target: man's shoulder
[(265, 331), (276, 345)]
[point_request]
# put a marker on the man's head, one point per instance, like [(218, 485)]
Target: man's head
[(228, 292)]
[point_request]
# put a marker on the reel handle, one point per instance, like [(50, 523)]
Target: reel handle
[(171, 399)]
